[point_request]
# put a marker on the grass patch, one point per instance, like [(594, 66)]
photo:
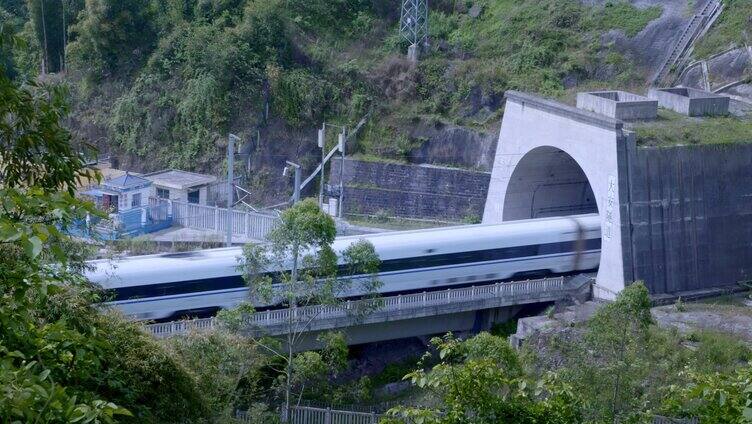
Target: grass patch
[(391, 223), (674, 129), (731, 29), (624, 16), (718, 351)]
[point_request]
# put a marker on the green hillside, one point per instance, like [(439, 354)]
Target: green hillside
[(163, 82)]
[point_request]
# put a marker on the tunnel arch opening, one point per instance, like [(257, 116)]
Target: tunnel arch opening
[(548, 182)]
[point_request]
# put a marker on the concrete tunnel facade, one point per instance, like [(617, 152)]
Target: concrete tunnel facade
[(556, 160)]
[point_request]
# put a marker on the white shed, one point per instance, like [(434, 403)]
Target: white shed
[(180, 185)]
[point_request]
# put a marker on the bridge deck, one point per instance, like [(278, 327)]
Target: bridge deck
[(391, 308)]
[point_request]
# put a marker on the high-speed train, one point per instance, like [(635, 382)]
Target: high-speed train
[(181, 284)]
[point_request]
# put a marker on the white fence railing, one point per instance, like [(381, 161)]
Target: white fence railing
[(244, 223), (415, 301), (310, 415)]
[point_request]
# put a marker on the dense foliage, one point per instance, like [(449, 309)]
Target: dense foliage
[(616, 367), (627, 369), (177, 75), (481, 380), (112, 36), (61, 360)]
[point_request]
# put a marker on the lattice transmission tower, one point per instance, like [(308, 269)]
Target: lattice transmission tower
[(414, 25)]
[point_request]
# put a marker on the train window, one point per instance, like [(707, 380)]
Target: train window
[(549, 249), (490, 276), (593, 244), (182, 287), (521, 251)]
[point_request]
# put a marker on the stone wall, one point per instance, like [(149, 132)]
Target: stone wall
[(411, 191), (691, 216)]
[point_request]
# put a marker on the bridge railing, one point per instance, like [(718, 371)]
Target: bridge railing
[(385, 304)]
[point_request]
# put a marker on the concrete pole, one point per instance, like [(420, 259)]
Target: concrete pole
[(342, 139), (230, 186), (412, 53), (322, 145), (296, 188), (296, 193)]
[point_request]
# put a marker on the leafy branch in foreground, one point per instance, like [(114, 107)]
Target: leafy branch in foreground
[(61, 360)]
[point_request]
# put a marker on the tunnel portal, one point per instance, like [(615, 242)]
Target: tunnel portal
[(548, 182)]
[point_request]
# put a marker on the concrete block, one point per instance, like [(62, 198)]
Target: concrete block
[(618, 105), (690, 101)]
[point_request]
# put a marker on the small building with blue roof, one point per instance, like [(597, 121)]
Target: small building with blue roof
[(120, 194)]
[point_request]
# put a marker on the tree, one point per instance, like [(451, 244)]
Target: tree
[(48, 18), (619, 359), (615, 356), (299, 268), (61, 360), (113, 34), (481, 381), (38, 173)]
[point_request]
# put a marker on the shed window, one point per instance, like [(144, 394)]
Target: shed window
[(163, 193), (136, 200), (193, 196)]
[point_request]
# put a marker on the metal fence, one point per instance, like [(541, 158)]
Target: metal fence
[(244, 223), (384, 304), (316, 415), (310, 415), (666, 420)]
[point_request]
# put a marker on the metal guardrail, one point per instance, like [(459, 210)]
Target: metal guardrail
[(385, 304), (688, 36)]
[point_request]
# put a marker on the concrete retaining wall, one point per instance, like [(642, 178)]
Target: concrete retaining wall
[(691, 216), (412, 191)]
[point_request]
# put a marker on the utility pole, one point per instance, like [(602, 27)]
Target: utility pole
[(62, 52), (230, 183), (45, 59), (296, 189), (322, 145), (342, 139)]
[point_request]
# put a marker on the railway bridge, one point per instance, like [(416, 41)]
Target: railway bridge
[(395, 317)]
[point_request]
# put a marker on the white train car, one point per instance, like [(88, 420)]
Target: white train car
[(180, 284)]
